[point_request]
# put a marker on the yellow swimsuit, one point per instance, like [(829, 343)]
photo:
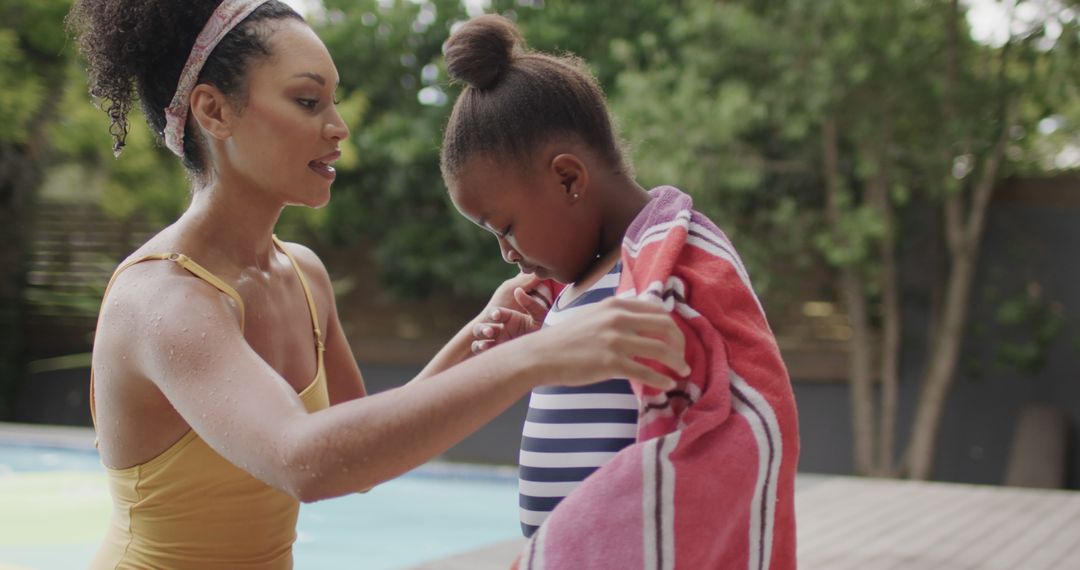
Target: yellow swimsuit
[(190, 507)]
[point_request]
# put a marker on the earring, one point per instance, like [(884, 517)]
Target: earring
[(574, 195)]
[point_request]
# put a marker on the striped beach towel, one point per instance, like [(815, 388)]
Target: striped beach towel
[(709, 482)]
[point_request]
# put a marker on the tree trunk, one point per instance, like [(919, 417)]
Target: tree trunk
[(890, 300), (852, 293), (963, 234), (964, 251)]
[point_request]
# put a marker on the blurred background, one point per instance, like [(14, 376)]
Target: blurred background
[(902, 178)]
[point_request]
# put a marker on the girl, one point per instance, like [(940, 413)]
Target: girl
[(697, 477), (223, 389)]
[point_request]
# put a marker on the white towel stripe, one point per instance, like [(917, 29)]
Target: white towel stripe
[(648, 503), (659, 556), (712, 242), (653, 233), (762, 421), (667, 501)]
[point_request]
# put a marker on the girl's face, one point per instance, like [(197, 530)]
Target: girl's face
[(539, 223), (287, 135)]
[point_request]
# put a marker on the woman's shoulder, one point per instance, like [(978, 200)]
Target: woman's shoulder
[(308, 261), (154, 284)]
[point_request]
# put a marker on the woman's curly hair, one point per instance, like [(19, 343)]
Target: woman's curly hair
[(139, 49)]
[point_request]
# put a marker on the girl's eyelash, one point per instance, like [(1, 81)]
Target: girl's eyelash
[(506, 233)]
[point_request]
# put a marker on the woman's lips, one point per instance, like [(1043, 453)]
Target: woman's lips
[(323, 169), (322, 166)]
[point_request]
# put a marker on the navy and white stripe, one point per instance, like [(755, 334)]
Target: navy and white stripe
[(570, 432)]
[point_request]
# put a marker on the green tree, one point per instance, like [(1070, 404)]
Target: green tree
[(390, 195), (828, 123)]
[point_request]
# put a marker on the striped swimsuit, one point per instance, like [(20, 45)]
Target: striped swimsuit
[(571, 432)]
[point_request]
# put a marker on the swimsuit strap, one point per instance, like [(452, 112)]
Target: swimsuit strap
[(307, 292)]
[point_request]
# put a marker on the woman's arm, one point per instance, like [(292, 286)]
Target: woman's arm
[(198, 358)]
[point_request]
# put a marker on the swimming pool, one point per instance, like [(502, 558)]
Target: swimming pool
[(54, 506)]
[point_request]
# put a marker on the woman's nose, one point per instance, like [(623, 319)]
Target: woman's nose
[(336, 129)]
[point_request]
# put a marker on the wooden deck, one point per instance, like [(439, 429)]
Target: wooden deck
[(848, 523)]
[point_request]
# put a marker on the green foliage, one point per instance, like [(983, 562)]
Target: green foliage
[(145, 180), (20, 91), (392, 196), (1030, 323), (724, 99), (31, 51)]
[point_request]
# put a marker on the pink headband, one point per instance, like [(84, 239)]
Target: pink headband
[(225, 17)]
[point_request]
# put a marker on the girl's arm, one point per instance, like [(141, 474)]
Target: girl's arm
[(461, 345), (196, 355)]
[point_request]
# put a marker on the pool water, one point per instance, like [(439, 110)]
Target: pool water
[(54, 507)]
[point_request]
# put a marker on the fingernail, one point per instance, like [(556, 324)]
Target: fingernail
[(495, 313), (486, 331)]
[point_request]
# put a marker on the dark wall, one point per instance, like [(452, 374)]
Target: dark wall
[(1027, 241)]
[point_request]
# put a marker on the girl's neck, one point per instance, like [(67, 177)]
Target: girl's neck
[(622, 199), (622, 204)]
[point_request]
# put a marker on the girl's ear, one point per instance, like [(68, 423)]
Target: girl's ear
[(572, 176), (212, 111)]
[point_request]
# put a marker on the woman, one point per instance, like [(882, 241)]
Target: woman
[(224, 391)]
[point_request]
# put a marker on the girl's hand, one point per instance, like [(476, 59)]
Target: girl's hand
[(518, 307)]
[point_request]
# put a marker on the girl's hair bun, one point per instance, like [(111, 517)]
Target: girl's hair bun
[(482, 51)]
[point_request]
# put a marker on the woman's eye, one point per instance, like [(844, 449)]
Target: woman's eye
[(506, 233), (308, 103)]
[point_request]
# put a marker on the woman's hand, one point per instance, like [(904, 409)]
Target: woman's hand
[(517, 307), (615, 338)]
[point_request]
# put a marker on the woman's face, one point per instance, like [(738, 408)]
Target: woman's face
[(287, 135)]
